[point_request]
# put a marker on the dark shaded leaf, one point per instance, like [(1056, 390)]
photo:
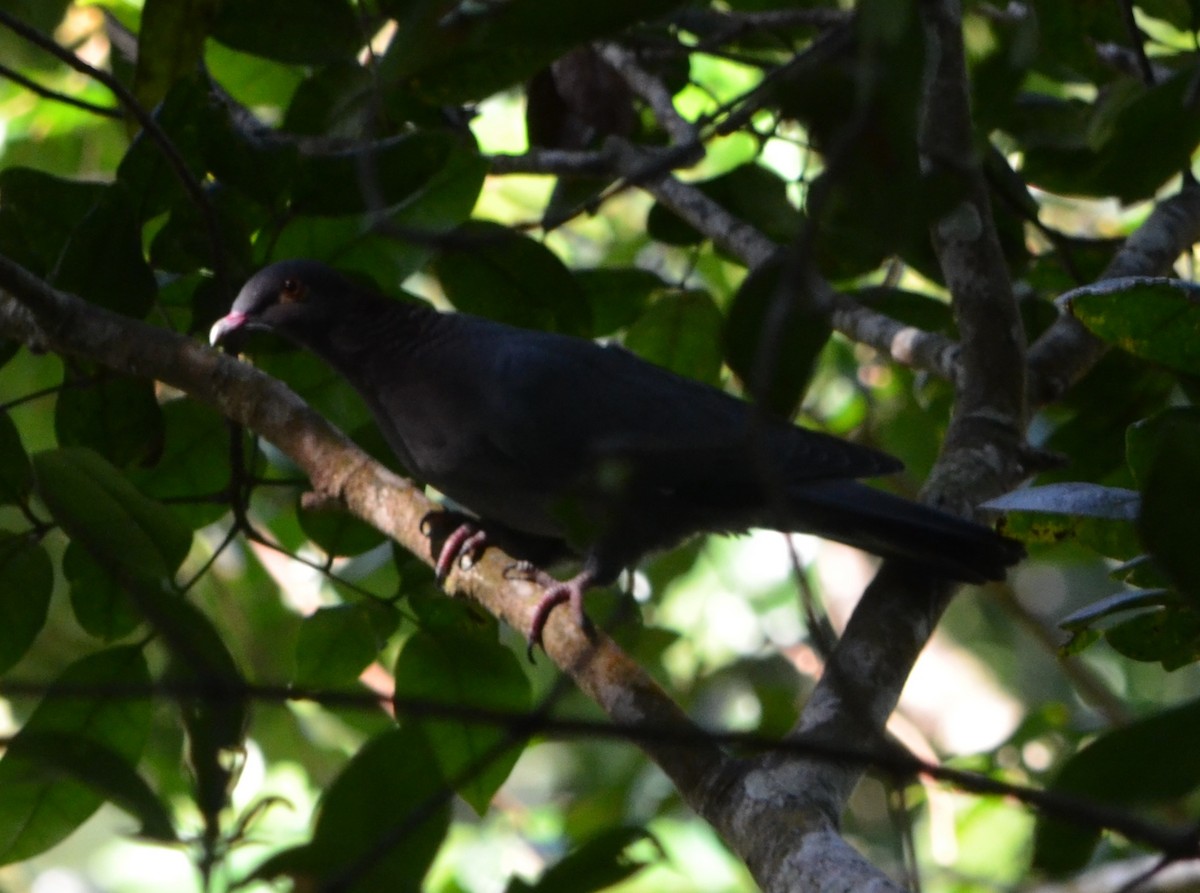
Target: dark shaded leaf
[(376, 177), (38, 808), (102, 261), (303, 32), (1144, 438), (1150, 760), (38, 213), (474, 51), (1171, 493), (116, 415), (99, 508), (617, 296), (101, 605), (170, 45), (380, 824), (444, 666), (26, 580), (16, 474), (337, 532), (74, 758), (191, 463), (1138, 138), (773, 338), (511, 278), (601, 862)]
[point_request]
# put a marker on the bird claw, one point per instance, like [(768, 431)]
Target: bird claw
[(557, 592), (466, 543)]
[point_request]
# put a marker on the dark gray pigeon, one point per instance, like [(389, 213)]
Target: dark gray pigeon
[(561, 439)]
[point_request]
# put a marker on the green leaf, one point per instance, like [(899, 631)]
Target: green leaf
[(618, 296), (681, 331), (511, 278), (103, 262), (1153, 318), (380, 824), (16, 474), (475, 51), (374, 177), (337, 532), (772, 339), (39, 809), (170, 45), (191, 464), (101, 604), (26, 581), (1148, 761), (302, 32), (599, 863), (215, 718), (99, 508), (444, 667), (62, 758), (117, 416), (1169, 499), (1144, 438), (334, 646), (38, 213), (1169, 636)]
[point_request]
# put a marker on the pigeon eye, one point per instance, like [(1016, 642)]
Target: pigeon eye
[(291, 290)]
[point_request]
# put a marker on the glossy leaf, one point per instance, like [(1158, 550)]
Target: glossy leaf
[(380, 823), (40, 807), (1072, 498), (444, 667), (105, 513), (26, 580), (1157, 319), (1127, 600)]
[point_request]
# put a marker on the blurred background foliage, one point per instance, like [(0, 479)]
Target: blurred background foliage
[(380, 136)]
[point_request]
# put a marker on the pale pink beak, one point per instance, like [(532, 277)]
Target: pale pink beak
[(225, 325)]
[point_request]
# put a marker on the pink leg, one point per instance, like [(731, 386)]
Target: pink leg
[(558, 591), (468, 540)]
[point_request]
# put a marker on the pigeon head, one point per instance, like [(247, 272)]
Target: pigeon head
[(298, 299)]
